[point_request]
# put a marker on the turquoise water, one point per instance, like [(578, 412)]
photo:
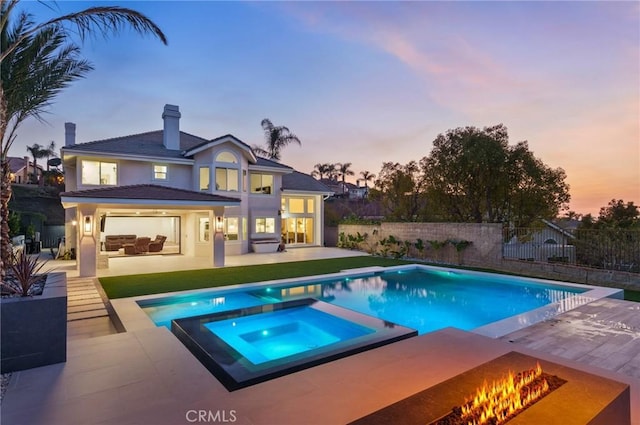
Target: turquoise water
[(425, 300), (269, 336)]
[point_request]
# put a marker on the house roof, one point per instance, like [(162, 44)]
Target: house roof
[(264, 162), (143, 144), (16, 164), (297, 181), (227, 138), (145, 193)]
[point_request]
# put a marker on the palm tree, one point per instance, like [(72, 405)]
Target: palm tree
[(344, 170), (38, 61), (38, 152), (332, 172), (320, 170), (51, 151), (367, 177), (276, 138)]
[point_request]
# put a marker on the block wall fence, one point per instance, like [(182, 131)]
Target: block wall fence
[(485, 251)]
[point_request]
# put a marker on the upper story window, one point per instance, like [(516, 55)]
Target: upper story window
[(226, 179), (261, 183), (298, 205), (204, 178), (226, 157), (100, 173), (160, 171), (227, 172)]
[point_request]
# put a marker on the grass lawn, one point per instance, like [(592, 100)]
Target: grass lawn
[(155, 283), (630, 295)]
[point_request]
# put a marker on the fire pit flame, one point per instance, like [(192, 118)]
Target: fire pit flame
[(498, 402)]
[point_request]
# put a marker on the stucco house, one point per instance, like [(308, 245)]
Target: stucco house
[(171, 192), (21, 170)]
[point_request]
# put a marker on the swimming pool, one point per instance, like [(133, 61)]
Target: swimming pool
[(421, 298), (254, 332)]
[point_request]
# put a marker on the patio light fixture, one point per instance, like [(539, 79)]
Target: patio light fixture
[(88, 225), (219, 224)]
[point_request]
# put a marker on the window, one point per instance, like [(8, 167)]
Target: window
[(310, 206), (203, 229), (226, 157), (296, 206), (265, 225), (160, 172), (231, 228), (227, 179), (97, 172), (261, 183), (204, 178), (244, 180)]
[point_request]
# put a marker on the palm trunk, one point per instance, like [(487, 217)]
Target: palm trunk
[(5, 189), (5, 246)]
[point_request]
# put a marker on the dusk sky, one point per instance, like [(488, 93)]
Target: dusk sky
[(369, 82)]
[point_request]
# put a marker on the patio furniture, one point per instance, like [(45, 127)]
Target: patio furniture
[(157, 244), (115, 242), (141, 246)]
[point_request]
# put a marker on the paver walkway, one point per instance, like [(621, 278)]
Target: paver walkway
[(604, 333), (87, 316)]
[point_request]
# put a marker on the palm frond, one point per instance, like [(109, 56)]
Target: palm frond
[(104, 20)]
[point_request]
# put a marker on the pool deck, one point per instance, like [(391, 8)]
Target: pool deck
[(146, 376)]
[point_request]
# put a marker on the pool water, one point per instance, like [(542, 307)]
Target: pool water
[(274, 335), (425, 299)]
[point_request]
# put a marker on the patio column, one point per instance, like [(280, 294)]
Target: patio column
[(87, 246), (218, 239)]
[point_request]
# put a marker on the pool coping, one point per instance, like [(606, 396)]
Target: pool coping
[(134, 318)]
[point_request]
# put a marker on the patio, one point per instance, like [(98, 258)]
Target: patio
[(147, 376)]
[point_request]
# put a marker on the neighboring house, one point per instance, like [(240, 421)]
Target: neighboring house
[(205, 197), (553, 242), (21, 169)]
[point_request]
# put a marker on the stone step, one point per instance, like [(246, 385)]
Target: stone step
[(84, 301), (85, 307), (86, 315)]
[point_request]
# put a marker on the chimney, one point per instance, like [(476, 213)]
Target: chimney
[(69, 134), (25, 173), (171, 133)]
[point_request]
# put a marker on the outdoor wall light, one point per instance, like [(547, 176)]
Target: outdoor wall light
[(74, 223), (88, 225), (219, 224)]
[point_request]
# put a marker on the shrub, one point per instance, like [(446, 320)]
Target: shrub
[(24, 270)]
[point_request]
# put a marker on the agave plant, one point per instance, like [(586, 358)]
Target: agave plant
[(25, 270)]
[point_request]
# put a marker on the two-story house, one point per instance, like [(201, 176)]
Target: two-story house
[(168, 191)]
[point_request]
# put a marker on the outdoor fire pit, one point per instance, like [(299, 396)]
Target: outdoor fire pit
[(521, 390)]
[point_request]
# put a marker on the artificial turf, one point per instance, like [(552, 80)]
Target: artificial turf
[(155, 283)]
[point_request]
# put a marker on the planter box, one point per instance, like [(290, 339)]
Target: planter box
[(34, 329), (261, 247)]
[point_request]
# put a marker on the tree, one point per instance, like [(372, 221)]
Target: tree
[(475, 176), (276, 138), (344, 170), (367, 177), (38, 61), (401, 191), (39, 152), (619, 214), (319, 170)]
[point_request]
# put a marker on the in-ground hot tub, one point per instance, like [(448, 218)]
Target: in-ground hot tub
[(246, 346)]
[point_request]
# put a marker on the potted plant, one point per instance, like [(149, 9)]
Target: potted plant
[(33, 315)]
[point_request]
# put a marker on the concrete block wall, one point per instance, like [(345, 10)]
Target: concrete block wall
[(484, 251), (485, 248)]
